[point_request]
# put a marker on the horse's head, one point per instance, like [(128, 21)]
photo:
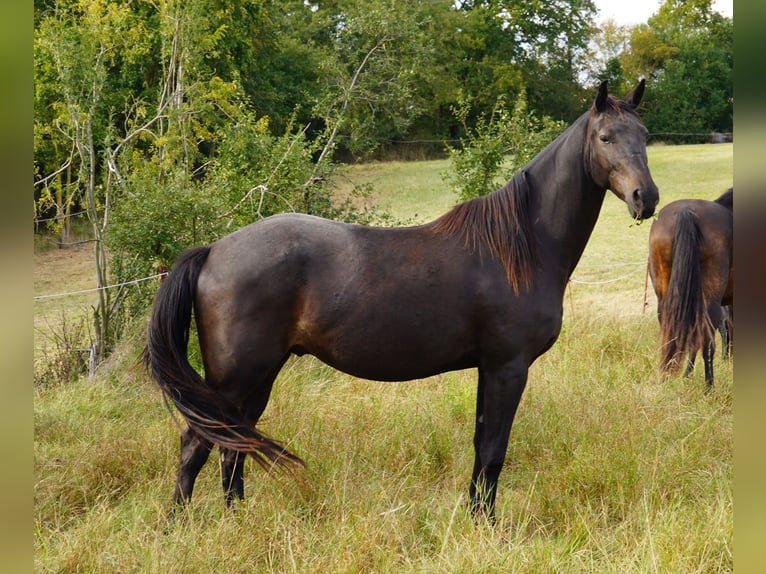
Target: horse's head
[(616, 151)]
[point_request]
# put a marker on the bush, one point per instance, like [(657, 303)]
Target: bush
[(68, 356), (497, 147)]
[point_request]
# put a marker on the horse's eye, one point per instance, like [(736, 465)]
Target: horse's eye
[(605, 139)]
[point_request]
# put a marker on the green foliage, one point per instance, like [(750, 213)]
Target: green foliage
[(256, 174), (694, 92), (162, 209), (372, 60), (168, 160), (685, 50), (302, 58), (508, 46), (154, 221), (86, 59), (613, 74), (602, 61), (158, 213), (497, 147), (648, 53)]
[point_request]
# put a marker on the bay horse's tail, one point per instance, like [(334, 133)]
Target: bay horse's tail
[(684, 323), (165, 354)]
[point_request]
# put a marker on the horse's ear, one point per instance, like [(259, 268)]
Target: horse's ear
[(634, 97), (599, 104)]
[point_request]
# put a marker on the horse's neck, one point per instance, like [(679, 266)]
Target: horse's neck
[(568, 202)]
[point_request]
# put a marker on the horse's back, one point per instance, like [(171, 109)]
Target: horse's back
[(710, 214), (274, 238), (715, 223)]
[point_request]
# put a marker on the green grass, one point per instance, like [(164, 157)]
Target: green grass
[(610, 468)]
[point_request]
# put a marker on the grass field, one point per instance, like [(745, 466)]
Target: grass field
[(610, 468)]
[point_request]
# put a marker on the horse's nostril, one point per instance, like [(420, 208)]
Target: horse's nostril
[(636, 195)]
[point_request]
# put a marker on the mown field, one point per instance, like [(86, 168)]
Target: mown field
[(610, 468)]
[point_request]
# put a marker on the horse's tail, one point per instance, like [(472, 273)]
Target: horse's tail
[(165, 354), (684, 323)]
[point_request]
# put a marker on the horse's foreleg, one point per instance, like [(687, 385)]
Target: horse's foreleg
[(232, 475), (194, 453), (499, 395), (475, 489)]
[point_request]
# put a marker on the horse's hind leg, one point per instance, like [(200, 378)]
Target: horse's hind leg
[(715, 312), (232, 475), (725, 328), (707, 354), (690, 363), (232, 461), (195, 451)]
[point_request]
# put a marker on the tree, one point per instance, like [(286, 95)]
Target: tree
[(602, 60), (372, 58), (693, 85), (78, 44), (648, 54), (492, 49)]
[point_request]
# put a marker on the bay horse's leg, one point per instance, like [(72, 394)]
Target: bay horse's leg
[(500, 391), (478, 436), (232, 474), (707, 354), (194, 453), (730, 327), (690, 363), (715, 312), (725, 329), (233, 462)]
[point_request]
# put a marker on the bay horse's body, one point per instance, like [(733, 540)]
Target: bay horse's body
[(480, 287), (691, 264)]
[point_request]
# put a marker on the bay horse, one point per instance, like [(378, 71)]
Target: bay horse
[(691, 265), (480, 287)]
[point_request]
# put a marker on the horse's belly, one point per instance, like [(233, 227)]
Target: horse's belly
[(396, 347), (394, 368)]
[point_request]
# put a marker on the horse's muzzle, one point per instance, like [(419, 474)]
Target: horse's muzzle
[(643, 201)]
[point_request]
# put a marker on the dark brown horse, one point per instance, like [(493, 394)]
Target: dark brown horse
[(692, 270), (480, 287)]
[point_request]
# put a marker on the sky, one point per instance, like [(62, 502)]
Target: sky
[(630, 12)]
